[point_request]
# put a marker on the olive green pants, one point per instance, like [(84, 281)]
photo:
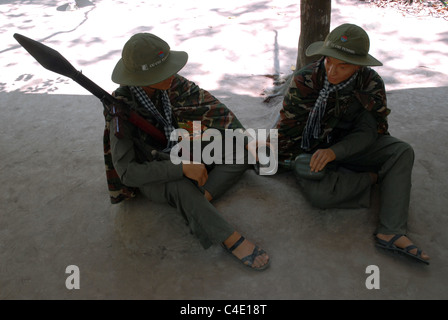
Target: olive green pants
[(393, 160), (204, 220)]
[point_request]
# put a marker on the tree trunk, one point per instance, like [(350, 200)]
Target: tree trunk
[(315, 17)]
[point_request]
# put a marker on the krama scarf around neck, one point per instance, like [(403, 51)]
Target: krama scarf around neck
[(313, 125), (166, 121)]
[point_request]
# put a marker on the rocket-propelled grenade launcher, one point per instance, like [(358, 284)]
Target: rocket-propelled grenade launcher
[(52, 60)]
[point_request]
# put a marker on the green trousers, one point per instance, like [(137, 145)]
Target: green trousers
[(204, 220), (393, 160)]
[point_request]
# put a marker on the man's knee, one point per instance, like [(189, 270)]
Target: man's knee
[(172, 192), (409, 151), (405, 152)]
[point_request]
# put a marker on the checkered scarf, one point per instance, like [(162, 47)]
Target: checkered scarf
[(166, 121), (313, 124)]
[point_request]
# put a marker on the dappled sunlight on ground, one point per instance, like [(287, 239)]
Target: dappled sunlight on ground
[(223, 39), (231, 37)]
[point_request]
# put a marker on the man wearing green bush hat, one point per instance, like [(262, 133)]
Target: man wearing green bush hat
[(151, 86), (333, 133)]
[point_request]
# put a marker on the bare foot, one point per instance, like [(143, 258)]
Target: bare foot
[(245, 249), (402, 243)]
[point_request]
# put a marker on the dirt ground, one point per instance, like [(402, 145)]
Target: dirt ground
[(54, 207)]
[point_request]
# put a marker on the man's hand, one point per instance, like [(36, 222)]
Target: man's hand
[(320, 159), (195, 171)]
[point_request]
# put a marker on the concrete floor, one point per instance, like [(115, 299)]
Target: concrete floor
[(54, 206)]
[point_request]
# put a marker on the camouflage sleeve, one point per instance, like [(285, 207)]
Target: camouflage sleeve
[(191, 103), (122, 91), (372, 120), (297, 102), (372, 96)]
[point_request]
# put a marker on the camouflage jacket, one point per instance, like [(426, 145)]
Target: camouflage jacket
[(366, 93), (189, 103)]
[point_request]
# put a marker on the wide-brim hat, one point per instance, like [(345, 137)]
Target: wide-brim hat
[(145, 60), (349, 43)]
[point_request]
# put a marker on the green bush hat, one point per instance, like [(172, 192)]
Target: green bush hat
[(145, 60), (349, 43)]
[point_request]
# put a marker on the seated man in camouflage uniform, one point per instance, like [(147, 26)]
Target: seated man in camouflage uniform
[(149, 83), (334, 118)]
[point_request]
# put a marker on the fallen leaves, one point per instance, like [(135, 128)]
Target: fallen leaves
[(418, 8)]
